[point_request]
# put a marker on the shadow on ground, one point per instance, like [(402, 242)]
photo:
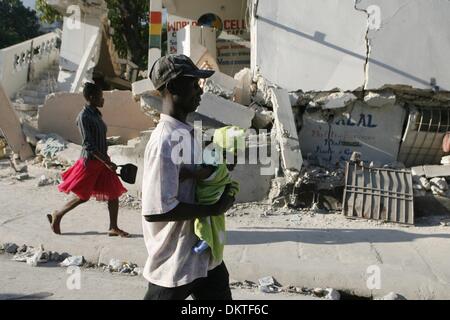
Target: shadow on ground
[(324, 236)]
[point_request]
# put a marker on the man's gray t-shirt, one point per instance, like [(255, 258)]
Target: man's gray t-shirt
[(171, 261)]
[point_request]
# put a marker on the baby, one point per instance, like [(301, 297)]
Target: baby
[(212, 179)]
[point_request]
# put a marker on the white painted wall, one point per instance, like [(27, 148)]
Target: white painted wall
[(310, 44), (375, 132), (75, 40), (413, 44), (321, 44), (13, 75)]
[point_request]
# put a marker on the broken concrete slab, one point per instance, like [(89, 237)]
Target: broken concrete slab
[(286, 130), (61, 110), (142, 87), (223, 86), (336, 100), (263, 117), (375, 99), (244, 91), (70, 155), (30, 133), (431, 171), (11, 128), (225, 111)]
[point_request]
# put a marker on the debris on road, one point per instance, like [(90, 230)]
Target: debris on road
[(392, 296), (44, 181), (121, 267), (10, 248), (332, 294), (22, 176), (77, 261)]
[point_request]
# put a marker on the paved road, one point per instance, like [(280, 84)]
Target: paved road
[(48, 281), (323, 251)]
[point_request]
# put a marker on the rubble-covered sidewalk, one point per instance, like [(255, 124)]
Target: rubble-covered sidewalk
[(299, 248)]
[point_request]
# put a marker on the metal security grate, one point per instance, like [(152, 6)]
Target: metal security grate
[(422, 141), (378, 194)]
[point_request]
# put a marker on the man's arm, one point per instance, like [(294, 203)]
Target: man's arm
[(185, 211)]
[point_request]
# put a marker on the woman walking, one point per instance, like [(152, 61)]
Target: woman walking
[(93, 175)]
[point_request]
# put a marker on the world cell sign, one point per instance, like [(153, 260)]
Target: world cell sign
[(233, 39)]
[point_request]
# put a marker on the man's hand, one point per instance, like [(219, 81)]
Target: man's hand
[(226, 201)]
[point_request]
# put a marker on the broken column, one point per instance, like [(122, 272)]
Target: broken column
[(11, 128), (286, 131)]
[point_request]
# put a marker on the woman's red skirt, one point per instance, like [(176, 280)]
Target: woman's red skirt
[(91, 180)]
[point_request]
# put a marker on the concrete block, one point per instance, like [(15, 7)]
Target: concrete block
[(336, 100), (132, 153), (244, 93), (286, 130), (223, 85), (121, 113), (379, 100), (69, 155), (431, 171), (225, 111), (11, 127), (141, 87)]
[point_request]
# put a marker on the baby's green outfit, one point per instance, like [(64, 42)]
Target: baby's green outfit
[(211, 230)]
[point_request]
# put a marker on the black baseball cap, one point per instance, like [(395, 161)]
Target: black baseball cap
[(173, 66)]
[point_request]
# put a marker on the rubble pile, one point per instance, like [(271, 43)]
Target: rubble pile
[(37, 256), (431, 186), (322, 178), (47, 149), (271, 286), (31, 255), (122, 267)]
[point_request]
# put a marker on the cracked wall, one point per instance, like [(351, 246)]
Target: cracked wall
[(351, 44), (411, 45)]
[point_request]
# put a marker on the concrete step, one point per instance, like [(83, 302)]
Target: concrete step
[(23, 107), (34, 93), (39, 87), (33, 100)]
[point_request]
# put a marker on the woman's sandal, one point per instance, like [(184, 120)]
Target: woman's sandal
[(118, 232), (50, 219)]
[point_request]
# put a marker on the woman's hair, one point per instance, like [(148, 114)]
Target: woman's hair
[(90, 89)]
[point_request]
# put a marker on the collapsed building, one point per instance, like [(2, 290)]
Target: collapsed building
[(346, 95)]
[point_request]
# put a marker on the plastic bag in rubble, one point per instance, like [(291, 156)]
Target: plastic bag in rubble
[(73, 261), (32, 256), (34, 260), (50, 145)]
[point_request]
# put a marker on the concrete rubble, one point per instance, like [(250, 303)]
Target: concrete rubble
[(123, 267), (11, 128), (73, 261), (431, 180), (225, 111)]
